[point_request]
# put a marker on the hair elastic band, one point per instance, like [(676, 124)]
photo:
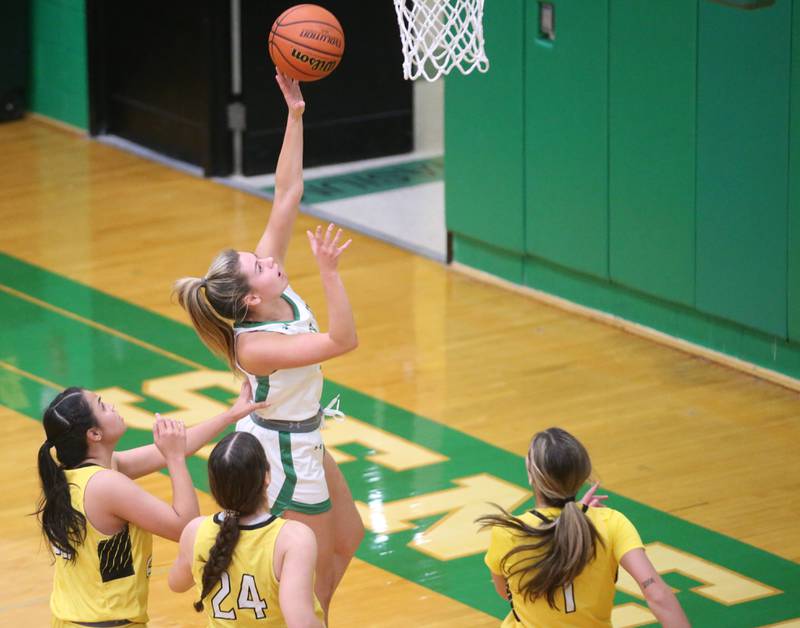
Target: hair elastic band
[(560, 503)]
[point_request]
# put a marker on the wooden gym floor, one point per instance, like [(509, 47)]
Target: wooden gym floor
[(451, 379)]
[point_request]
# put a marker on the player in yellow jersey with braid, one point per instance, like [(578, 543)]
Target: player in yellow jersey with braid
[(557, 564), (250, 567), (98, 522)]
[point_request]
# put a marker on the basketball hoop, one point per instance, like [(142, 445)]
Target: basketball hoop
[(439, 35)]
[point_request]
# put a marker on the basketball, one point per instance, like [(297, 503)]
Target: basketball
[(306, 42)]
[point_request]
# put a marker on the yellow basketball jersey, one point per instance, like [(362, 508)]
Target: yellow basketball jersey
[(108, 579), (588, 601), (247, 593)]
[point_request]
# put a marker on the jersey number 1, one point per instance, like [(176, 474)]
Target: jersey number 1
[(248, 597)]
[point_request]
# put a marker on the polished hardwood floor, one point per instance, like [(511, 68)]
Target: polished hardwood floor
[(706, 443)]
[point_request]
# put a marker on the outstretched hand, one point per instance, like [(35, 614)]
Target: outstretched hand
[(245, 405), (291, 93), (169, 437), (591, 500), (325, 248)]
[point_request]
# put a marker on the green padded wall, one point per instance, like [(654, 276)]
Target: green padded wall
[(483, 140), (794, 184), (59, 83), (691, 225), (742, 164), (652, 86), (566, 136)]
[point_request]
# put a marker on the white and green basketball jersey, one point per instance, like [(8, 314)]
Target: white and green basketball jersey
[(293, 394)]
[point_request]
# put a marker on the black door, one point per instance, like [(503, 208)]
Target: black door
[(362, 110), (159, 76), (15, 34)]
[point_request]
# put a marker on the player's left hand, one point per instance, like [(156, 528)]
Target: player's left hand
[(326, 248)]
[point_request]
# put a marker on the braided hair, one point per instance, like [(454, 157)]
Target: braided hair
[(236, 469)]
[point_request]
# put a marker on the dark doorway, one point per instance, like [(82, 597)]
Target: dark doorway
[(362, 110), (159, 76), (15, 44)]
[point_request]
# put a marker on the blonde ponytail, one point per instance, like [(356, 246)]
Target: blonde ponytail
[(214, 301), (556, 550)]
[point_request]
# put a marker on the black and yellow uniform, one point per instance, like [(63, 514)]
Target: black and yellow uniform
[(107, 582), (247, 593), (589, 599)]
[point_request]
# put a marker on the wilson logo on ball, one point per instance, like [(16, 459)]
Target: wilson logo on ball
[(328, 38), (318, 65)]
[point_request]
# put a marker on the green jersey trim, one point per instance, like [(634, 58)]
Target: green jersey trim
[(310, 509), (262, 389), (251, 324)]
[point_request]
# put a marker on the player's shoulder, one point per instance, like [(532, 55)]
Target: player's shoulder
[(104, 479), (295, 539), (605, 514), (190, 533), (609, 519), (296, 532)]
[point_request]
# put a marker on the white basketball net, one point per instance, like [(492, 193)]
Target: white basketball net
[(439, 35)]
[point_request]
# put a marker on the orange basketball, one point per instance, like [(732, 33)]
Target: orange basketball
[(306, 42)]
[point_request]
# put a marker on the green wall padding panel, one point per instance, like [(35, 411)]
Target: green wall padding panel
[(675, 320), (566, 136), (652, 85), (794, 184), (742, 164), (483, 137), (488, 258), (59, 82)]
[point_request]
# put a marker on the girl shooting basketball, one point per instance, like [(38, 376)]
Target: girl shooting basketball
[(251, 568), (245, 311), (557, 564), (96, 519)]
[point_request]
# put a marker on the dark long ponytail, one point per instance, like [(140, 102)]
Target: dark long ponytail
[(66, 421), (556, 550), (236, 469)]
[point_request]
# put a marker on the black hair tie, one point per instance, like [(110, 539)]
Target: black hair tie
[(560, 503)]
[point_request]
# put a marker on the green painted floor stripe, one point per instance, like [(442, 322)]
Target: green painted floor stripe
[(64, 348), (371, 180)]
